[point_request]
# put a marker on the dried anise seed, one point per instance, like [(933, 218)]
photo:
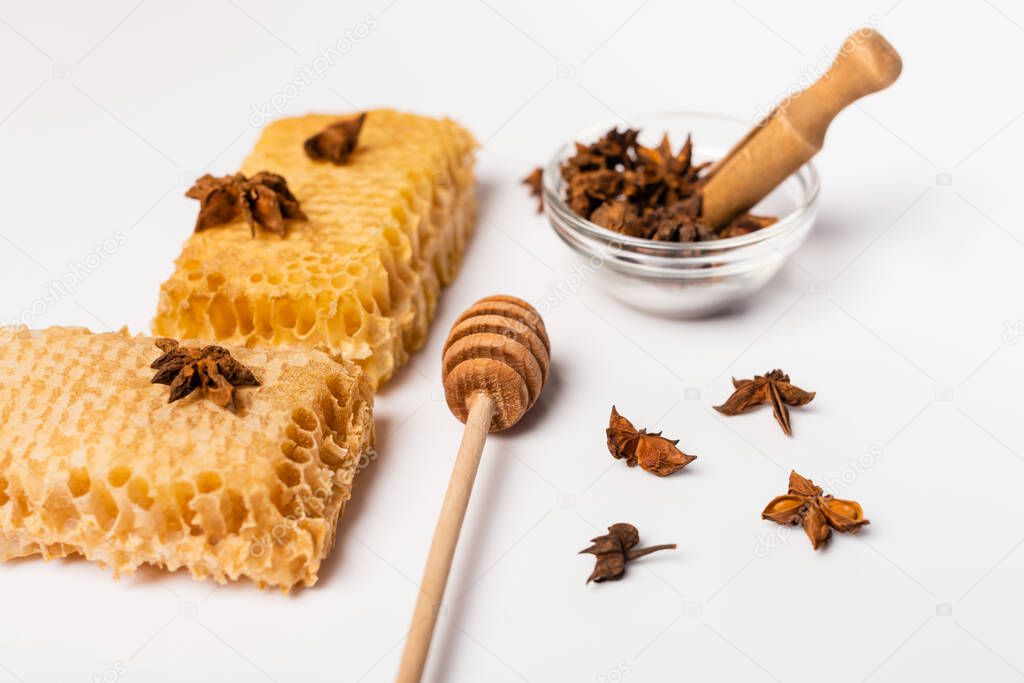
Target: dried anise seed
[(337, 141), (534, 183), (263, 200), (653, 452), (644, 192), (818, 513), (211, 369), (773, 388), (615, 549)]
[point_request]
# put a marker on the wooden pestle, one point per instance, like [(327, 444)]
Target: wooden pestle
[(795, 130), (495, 363)]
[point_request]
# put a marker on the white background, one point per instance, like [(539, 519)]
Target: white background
[(903, 311)]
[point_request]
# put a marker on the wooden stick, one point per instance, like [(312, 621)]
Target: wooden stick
[(446, 535), (494, 365), (795, 131)]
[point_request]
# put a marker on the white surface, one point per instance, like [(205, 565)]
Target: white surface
[(894, 312)]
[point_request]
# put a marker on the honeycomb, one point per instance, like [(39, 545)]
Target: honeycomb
[(359, 279), (94, 461)]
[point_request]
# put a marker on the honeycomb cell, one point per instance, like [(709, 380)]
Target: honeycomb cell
[(245, 316), (234, 510), (305, 419), (58, 509), (78, 481), (301, 438), (222, 317), (299, 455), (118, 475), (138, 493), (289, 474), (285, 315), (102, 506), (208, 482)]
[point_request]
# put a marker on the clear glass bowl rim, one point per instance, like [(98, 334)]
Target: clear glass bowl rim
[(553, 202)]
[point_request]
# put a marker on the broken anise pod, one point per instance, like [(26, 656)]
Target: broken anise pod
[(818, 513), (335, 142), (534, 183), (211, 369), (263, 200), (774, 388), (653, 452), (615, 549)]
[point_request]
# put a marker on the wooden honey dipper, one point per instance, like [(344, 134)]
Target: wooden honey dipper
[(795, 131), (495, 363)]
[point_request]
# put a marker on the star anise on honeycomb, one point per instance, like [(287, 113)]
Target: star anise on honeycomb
[(615, 549), (774, 388), (818, 513), (263, 200), (337, 141), (647, 192), (653, 452), (210, 369)]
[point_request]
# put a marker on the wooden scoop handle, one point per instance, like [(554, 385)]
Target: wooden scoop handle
[(795, 130)]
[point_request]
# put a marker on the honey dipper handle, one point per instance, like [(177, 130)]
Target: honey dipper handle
[(446, 535), (795, 130)]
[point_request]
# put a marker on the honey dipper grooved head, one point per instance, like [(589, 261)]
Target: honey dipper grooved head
[(498, 346)]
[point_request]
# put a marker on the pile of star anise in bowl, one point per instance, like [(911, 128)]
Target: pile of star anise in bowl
[(628, 203)]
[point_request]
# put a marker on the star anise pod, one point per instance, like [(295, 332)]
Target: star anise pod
[(818, 513), (263, 200), (774, 388), (534, 182), (582, 161), (671, 172), (662, 157), (653, 452), (617, 148), (615, 549), (337, 141), (211, 369)]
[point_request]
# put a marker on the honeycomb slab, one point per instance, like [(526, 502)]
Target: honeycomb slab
[(361, 277), (95, 461)]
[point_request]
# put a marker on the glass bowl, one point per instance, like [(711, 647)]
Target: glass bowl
[(684, 279)]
